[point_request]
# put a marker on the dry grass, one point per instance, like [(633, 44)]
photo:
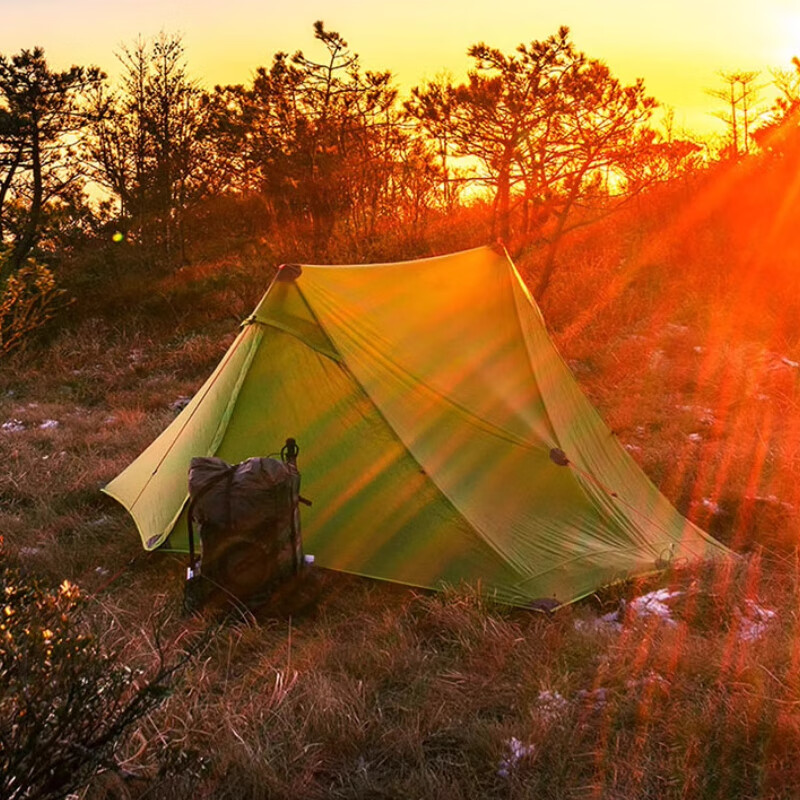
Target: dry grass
[(683, 327), (374, 691), (381, 693)]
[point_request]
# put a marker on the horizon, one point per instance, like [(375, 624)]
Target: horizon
[(678, 50)]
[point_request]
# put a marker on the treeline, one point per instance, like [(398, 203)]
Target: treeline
[(546, 137)]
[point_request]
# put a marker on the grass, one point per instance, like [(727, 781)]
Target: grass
[(379, 692), (683, 332)]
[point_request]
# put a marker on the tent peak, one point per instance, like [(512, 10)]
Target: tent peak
[(289, 272)]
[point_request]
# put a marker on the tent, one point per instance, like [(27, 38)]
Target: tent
[(442, 438)]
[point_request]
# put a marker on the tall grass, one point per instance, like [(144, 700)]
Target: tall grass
[(679, 320)]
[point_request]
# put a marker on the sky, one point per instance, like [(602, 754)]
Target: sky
[(678, 47)]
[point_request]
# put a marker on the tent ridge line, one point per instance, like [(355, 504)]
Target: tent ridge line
[(574, 468), (216, 440), (582, 476), (239, 339), (514, 275)]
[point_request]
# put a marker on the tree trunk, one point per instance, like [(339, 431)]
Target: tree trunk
[(6, 185), (28, 238), (549, 267), (503, 207), (555, 241)]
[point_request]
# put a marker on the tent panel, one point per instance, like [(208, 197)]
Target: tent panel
[(532, 511), (603, 466), (154, 487)]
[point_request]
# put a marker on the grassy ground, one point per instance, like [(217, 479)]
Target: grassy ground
[(678, 318)]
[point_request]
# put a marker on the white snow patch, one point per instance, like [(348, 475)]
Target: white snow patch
[(596, 698), (654, 604), (656, 359), (754, 621), (771, 499), (711, 505), (761, 498), (608, 622), (179, 404), (706, 416), (551, 705), (777, 361), (13, 426), (48, 424), (517, 751), (651, 679)]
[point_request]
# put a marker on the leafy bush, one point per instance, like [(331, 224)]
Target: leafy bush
[(28, 301), (65, 703)]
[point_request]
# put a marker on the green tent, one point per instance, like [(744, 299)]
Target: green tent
[(443, 439)]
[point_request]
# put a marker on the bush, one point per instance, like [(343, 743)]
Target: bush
[(65, 703), (28, 301)]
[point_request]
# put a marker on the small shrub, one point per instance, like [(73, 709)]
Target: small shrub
[(28, 301), (65, 703)]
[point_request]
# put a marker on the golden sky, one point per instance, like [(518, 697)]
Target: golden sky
[(677, 46)]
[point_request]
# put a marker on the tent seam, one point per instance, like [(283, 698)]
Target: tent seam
[(287, 329)]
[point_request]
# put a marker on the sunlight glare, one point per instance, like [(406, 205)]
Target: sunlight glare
[(789, 37)]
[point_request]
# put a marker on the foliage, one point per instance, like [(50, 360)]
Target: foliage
[(66, 703), (29, 300), (779, 135), (741, 96), (43, 117), (147, 146), (553, 130), (319, 139)]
